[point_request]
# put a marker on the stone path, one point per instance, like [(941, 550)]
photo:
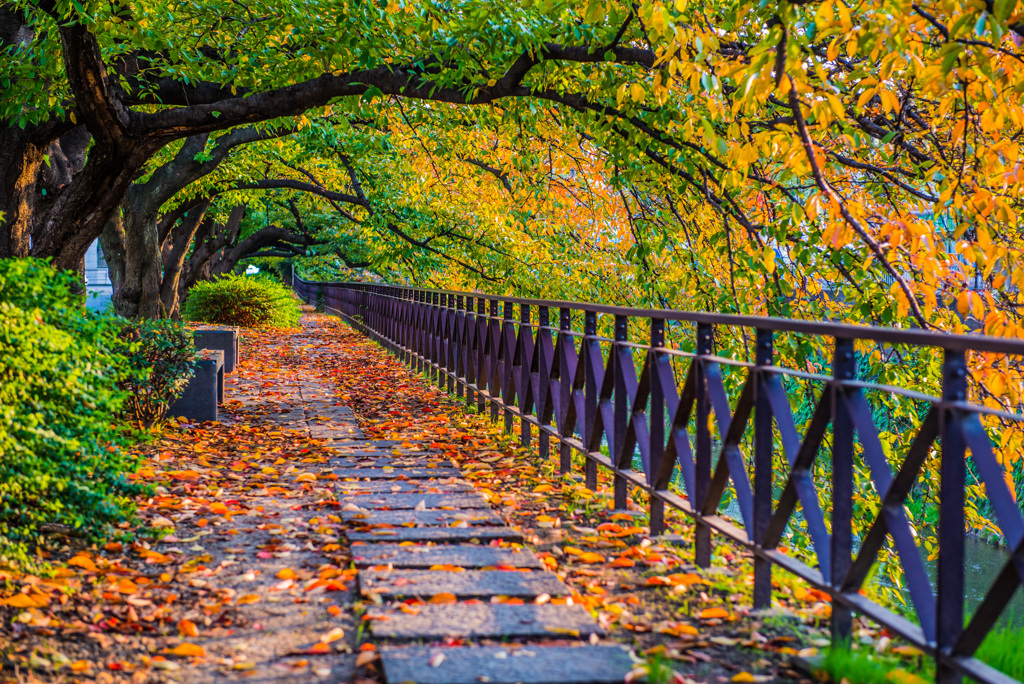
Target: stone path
[(422, 533), (417, 530)]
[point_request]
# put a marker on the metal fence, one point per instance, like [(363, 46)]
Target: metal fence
[(583, 391)]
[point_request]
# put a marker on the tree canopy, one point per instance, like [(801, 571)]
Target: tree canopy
[(792, 158)]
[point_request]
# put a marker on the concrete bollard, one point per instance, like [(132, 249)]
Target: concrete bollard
[(204, 391), (225, 339)]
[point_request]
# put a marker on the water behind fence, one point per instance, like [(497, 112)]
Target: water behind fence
[(648, 395)]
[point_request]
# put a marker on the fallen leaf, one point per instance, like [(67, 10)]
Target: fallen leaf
[(188, 651), (188, 628)]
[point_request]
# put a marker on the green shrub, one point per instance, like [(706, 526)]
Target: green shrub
[(161, 359), (248, 301), (60, 464)]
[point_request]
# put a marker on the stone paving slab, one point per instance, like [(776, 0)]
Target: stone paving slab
[(486, 621), (375, 443), (405, 500), (434, 518), (397, 473), (388, 461), (470, 556), (438, 535), (468, 584), (333, 430), (501, 665), (447, 486)]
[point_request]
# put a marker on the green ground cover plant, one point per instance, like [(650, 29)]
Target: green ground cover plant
[(247, 301), (161, 358)]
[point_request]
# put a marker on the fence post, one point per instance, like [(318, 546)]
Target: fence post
[(621, 410), (565, 393), (525, 397), (702, 460), (590, 393), (544, 380), (952, 480), (470, 354), (763, 457), (481, 355), (506, 365), (458, 345), (656, 416), (844, 367)]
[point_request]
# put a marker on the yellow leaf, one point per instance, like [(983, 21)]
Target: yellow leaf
[(743, 677)]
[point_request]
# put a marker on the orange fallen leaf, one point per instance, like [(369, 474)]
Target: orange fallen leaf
[(286, 574), (318, 649), (79, 666), (126, 586), (83, 562), (443, 598), (590, 557), (25, 601), (334, 610), (248, 598), (188, 628), (188, 651), (712, 613)]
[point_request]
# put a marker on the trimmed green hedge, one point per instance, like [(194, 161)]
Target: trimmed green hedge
[(247, 301), (60, 464)]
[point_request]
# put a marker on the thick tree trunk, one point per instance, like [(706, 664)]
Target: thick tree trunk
[(21, 164), (132, 247)]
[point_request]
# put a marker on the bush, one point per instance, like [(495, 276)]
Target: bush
[(60, 464), (248, 301), (161, 359)]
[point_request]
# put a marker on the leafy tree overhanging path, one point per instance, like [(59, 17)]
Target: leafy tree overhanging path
[(408, 544)]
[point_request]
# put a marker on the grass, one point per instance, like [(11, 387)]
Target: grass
[(864, 667), (1002, 650)]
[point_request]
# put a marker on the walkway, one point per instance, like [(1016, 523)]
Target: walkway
[(344, 522)]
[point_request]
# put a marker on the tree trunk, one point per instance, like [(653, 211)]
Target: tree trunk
[(132, 247), (174, 254)]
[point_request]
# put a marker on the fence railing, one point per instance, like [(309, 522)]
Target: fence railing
[(582, 390)]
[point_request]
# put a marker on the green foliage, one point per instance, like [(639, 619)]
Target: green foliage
[(1002, 650), (161, 359), (248, 301), (861, 666), (60, 465)]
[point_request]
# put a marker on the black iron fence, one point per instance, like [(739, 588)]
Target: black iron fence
[(581, 389)]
